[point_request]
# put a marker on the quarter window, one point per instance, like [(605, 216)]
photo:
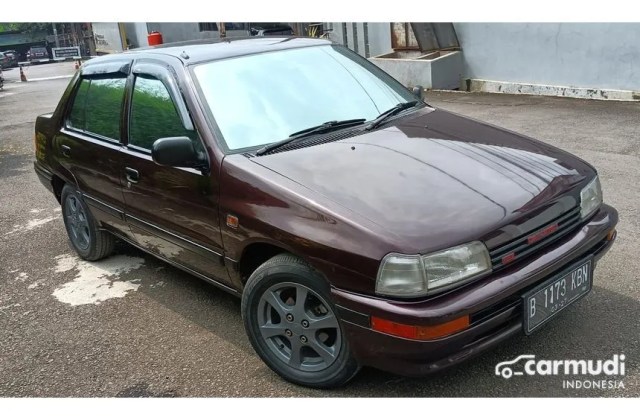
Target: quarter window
[(154, 115), (76, 117)]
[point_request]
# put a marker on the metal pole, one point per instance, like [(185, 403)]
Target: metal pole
[(345, 39), (123, 37), (55, 34), (90, 40), (365, 30), (355, 36)]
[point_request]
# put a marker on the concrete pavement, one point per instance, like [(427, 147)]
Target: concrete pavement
[(39, 72), (134, 326)]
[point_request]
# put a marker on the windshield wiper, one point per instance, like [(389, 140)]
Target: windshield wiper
[(390, 113), (307, 132)]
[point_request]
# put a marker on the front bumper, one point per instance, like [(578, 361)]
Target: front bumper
[(493, 304)]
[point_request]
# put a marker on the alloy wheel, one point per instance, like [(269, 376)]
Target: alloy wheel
[(299, 327), (78, 223)]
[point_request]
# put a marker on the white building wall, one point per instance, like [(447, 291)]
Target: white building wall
[(594, 56), (591, 55), (379, 36)]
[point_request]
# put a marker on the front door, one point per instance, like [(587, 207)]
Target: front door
[(173, 212)]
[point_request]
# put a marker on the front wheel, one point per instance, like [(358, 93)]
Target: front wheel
[(293, 326)]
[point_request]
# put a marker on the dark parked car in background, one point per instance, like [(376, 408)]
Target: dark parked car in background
[(10, 58), (359, 225), (4, 61), (266, 29), (38, 55)]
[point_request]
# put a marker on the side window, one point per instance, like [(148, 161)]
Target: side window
[(76, 116), (153, 115), (97, 106), (104, 104)]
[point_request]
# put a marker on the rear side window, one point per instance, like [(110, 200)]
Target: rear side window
[(154, 115), (97, 107)]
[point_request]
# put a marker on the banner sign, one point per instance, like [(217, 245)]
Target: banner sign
[(66, 52)]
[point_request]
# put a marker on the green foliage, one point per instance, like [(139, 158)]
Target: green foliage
[(103, 107), (96, 107), (26, 27), (153, 114)]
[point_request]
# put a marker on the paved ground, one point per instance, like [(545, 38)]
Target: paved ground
[(146, 329), (37, 72)]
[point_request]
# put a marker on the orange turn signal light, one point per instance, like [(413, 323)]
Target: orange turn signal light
[(611, 235), (420, 332), (232, 221)]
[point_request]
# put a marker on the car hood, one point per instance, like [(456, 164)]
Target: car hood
[(435, 179)]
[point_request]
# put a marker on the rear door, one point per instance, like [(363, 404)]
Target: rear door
[(173, 212), (88, 145)]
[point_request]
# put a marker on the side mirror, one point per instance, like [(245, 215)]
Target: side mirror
[(177, 152), (418, 91)]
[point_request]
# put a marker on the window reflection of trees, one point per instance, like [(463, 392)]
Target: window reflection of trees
[(103, 107), (154, 115)]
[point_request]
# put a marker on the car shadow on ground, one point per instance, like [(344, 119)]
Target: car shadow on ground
[(588, 330)]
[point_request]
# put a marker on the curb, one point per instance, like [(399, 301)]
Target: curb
[(494, 86)]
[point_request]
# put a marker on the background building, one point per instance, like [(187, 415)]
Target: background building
[(598, 60)]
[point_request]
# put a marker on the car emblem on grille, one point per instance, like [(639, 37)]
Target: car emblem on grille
[(542, 233)]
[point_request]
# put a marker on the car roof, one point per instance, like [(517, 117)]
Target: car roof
[(208, 50)]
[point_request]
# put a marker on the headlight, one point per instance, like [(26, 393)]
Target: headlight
[(590, 198), (418, 275)]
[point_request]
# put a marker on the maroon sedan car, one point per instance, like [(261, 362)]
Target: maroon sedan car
[(359, 225)]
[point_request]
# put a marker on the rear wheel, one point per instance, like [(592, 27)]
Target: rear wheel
[(89, 242), (293, 326)]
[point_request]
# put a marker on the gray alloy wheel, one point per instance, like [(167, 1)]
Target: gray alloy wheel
[(293, 326), (299, 327), (76, 219), (87, 239)]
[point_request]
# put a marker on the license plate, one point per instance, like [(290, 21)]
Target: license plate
[(551, 297)]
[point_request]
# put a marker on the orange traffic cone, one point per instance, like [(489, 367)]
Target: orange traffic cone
[(23, 78)]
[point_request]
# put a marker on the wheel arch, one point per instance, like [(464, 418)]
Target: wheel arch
[(58, 184), (255, 254)]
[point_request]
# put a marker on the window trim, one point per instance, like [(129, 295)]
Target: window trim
[(108, 70), (168, 80), (67, 127), (164, 73)]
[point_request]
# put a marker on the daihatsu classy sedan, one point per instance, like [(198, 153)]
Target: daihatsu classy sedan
[(359, 225)]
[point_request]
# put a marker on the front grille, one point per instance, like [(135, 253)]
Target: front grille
[(520, 247)]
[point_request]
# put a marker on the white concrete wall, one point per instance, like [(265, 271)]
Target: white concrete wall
[(186, 31), (176, 32), (137, 33), (591, 55), (379, 37), (107, 37)]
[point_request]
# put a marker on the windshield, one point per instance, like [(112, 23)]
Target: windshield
[(263, 98)]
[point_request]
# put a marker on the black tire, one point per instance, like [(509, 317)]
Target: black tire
[(287, 274), (89, 242)]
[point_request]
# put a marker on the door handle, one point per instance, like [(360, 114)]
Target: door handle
[(132, 175), (66, 150)]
